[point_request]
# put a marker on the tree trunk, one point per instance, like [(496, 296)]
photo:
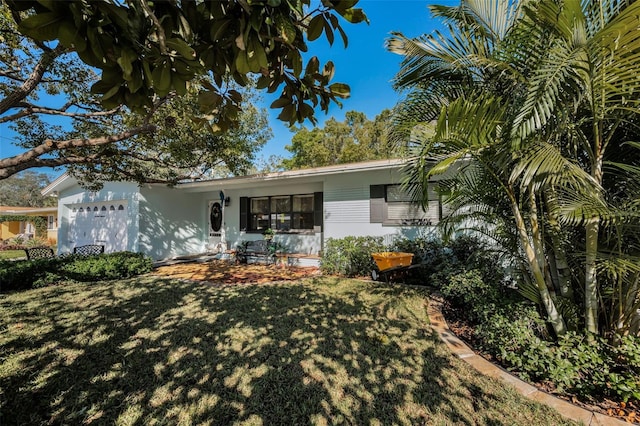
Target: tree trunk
[(556, 320), (590, 276), (562, 270)]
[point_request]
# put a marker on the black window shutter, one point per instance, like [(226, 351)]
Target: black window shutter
[(318, 209), (244, 213), (376, 203)]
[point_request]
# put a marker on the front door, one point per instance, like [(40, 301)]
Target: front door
[(217, 242)]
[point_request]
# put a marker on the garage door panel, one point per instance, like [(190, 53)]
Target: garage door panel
[(99, 223)]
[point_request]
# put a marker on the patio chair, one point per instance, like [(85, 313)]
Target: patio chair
[(39, 253), (88, 250)]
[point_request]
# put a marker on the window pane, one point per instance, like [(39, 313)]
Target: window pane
[(280, 204), (259, 221), (303, 220), (281, 221), (303, 203), (259, 205), (396, 194)]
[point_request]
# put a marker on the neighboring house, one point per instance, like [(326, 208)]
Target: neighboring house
[(26, 229), (304, 207)]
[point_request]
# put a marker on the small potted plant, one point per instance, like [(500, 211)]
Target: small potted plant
[(268, 234)]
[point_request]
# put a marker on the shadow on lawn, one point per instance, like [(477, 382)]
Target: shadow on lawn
[(176, 352)]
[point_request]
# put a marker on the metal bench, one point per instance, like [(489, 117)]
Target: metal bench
[(88, 250), (261, 249), (39, 253)]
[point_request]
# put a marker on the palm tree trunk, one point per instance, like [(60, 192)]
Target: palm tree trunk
[(538, 242), (562, 270), (592, 229), (556, 320)]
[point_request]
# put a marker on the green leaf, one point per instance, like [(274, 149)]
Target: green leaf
[(316, 25), (341, 90), (219, 29), (43, 26), (262, 82), (179, 83), (329, 70), (355, 16), (181, 46), (125, 61), (280, 103), (68, 35), (162, 78), (242, 62), (208, 100), (345, 40), (329, 32), (312, 66), (296, 62), (342, 6)]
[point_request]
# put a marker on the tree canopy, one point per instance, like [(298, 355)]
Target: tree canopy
[(355, 139), (139, 56), (23, 190)]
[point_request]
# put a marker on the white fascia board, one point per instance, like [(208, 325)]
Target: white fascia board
[(63, 181), (302, 174)]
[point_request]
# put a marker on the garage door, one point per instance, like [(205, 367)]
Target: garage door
[(99, 223)]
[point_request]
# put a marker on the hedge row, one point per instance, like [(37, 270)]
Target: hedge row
[(26, 274)]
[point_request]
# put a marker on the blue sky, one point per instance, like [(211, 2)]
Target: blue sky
[(365, 65)]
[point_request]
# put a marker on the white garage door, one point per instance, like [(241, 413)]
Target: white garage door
[(99, 223)]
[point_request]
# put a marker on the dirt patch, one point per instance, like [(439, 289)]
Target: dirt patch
[(220, 271)]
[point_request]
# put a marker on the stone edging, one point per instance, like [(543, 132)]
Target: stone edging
[(461, 350)]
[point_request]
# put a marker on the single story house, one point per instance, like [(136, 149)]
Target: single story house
[(304, 208), (10, 229)]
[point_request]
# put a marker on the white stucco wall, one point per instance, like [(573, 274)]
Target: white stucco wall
[(112, 192), (172, 222)]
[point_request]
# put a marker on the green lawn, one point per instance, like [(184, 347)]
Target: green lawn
[(322, 351), (12, 254)]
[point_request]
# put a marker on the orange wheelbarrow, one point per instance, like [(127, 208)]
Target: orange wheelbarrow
[(390, 264)]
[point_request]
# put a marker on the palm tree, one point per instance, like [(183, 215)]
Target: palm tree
[(534, 92)]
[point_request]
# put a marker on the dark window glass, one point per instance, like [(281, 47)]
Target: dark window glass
[(303, 211), (259, 213), (281, 213), (396, 194)]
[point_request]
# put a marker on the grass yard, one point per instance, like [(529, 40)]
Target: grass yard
[(12, 254), (318, 351)]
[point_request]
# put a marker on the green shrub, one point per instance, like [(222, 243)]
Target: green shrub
[(585, 365), (22, 274), (350, 256), (26, 274), (427, 251), (468, 291)]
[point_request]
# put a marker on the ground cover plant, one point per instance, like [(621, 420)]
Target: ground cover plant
[(317, 351)]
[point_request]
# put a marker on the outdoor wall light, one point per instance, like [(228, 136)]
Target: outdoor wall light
[(227, 201)]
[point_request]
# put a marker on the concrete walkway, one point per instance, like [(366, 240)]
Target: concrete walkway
[(459, 348)]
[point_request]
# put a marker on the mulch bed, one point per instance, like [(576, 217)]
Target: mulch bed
[(629, 412), (224, 272)]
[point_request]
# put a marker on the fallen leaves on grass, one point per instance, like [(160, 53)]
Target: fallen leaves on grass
[(220, 271)]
